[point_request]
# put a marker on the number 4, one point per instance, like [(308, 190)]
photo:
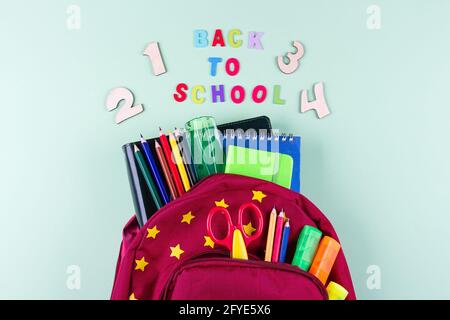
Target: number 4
[(127, 111)]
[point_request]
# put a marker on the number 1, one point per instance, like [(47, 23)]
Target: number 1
[(154, 54)]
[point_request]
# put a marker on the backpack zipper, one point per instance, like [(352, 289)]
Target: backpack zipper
[(256, 262)]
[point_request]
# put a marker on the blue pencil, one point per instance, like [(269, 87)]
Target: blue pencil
[(284, 241), (154, 170)]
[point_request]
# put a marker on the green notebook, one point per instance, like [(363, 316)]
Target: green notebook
[(269, 166)]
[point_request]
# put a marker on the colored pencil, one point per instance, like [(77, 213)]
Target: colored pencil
[(172, 166), (186, 154), (179, 161), (166, 170), (147, 177), (284, 242), (270, 234), (154, 170), (277, 237)]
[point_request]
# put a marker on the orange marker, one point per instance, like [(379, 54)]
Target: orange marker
[(324, 259)]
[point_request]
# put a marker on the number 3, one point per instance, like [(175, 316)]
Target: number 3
[(293, 59), (127, 110)]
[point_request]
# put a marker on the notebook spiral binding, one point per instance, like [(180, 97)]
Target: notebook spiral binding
[(262, 135)]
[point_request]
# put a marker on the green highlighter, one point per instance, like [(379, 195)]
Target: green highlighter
[(307, 244)]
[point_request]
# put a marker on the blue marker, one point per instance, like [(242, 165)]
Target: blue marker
[(154, 170), (284, 242)]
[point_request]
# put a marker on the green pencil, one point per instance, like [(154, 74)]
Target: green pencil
[(147, 177)]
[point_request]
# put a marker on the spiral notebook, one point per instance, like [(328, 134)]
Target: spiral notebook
[(265, 155)]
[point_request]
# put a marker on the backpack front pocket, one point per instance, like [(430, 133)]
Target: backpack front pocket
[(233, 279)]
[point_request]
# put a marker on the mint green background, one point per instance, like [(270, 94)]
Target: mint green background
[(378, 166)]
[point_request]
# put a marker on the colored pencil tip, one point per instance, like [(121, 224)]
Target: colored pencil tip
[(156, 143), (282, 213), (287, 223), (136, 149), (141, 135)]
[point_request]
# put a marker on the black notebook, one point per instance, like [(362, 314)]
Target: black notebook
[(143, 204)]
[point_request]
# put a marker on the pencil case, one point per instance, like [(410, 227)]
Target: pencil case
[(170, 257)]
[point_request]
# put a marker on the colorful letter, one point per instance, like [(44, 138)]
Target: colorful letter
[(319, 105), (232, 71), (214, 61), (180, 94), (195, 97), (232, 39), (241, 96), (220, 93), (200, 38), (256, 91), (254, 40), (218, 39), (276, 95)]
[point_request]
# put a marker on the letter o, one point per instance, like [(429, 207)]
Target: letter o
[(259, 89), (241, 96), (236, 66)]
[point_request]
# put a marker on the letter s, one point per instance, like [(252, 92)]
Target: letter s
[(180, 94)]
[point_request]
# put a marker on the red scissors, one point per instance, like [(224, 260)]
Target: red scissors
[(238, 241)]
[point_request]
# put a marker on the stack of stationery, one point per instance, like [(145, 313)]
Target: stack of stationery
[(162, 169)]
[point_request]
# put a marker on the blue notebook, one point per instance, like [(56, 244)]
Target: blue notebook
[(269, 141)]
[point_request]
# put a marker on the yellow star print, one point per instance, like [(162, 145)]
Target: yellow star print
[(248, 228), (221, 203), (152, 232), (141, 264), (258, 196), (176, 251), (208, 242), (187, 217), (132, 297)]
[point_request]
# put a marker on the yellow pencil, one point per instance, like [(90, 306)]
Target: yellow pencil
[(270, 234), (179, 161)]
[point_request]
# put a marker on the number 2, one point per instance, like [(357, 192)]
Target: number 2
[(127, 110)]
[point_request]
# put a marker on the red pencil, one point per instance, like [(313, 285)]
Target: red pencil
[(277, 237), (170, 161)]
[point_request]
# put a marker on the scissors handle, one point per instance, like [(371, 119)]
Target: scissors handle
[(259, 217), (227, 241)]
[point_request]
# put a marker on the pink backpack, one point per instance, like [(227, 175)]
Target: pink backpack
[(172, 258)]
